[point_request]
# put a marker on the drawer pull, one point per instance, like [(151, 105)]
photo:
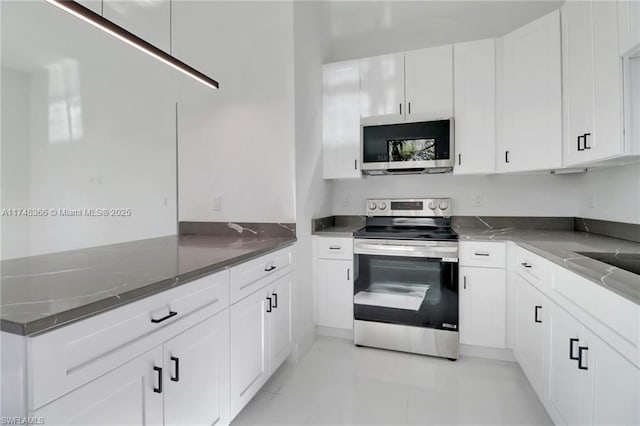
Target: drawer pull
[(176, 361), (270, 268), (334, 247), (571, 346), (580, 349), (159, 388), (481, 253), (159, 320), (536, 311), (526, 265)]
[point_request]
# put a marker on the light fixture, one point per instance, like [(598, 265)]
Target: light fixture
[(106, 25)]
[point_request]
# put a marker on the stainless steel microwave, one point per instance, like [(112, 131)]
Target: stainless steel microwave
[(407, 148)]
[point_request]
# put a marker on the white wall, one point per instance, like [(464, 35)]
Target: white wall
[(313, 197), (100, 134), (237, 142), (611, 194), (15, 112), (502, 195)]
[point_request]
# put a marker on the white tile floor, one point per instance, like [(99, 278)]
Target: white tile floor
[(337, 383)]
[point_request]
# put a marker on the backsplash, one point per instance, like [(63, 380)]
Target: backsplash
[(513, 222), (625, 231), (249, 230)]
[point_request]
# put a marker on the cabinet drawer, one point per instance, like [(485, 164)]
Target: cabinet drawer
[(71, 356), (491, 255), (248, 277), (335, 248), (531, 267)]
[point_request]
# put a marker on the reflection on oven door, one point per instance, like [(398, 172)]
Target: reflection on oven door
[(393, 295)]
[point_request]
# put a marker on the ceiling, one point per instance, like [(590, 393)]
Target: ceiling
[(368, 28)]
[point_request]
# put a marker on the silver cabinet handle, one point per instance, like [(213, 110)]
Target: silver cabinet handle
[(334, 247)]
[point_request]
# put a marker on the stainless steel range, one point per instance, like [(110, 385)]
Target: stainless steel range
[(406, 277)]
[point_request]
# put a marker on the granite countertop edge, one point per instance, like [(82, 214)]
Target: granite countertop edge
[(43, 325), (599, 273)]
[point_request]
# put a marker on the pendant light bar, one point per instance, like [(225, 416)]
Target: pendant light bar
[(117, 31)]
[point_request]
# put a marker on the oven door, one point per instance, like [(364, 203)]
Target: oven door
[(407, 290)]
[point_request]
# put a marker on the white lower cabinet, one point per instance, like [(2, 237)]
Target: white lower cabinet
[(183, 381), (530, 332), (334, 282), (590, 383), (335, 293), (260, 338), (568, 384), (196, 365), (482, 307), (124, 396), (578, 374)]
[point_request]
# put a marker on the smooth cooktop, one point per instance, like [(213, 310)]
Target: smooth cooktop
[(627, 261), (406, 233)]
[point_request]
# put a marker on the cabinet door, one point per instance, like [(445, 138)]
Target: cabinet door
[(280, 320), (531, 138), (482, 307), (577, 45), (335, 293), (566, 381), (475, 107), (249, 348), (615, 397), (150, 20), (124, 396), (607, 138), (197, 374), (429, 83), (531, 319), (341, 120), (629, 25), (382, 87)]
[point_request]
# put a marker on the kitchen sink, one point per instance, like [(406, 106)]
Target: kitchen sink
[(627, 261)]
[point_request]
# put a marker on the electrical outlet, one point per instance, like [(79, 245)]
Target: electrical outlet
[(478, 200), (217, 202)]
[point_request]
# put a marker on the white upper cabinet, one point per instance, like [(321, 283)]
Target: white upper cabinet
[(475, 107), (592, 89), (382, 87), (411, 86), (530, 127), (341, 120), (429, 83), (150, 19), (629, 27)]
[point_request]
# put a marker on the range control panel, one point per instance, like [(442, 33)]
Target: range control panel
[(414, 207)]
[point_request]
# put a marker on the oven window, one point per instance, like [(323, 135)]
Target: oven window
[(406, 290)]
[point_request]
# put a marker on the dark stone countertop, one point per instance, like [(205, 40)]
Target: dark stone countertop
[(337, 226), (561, 247), (40, 293)]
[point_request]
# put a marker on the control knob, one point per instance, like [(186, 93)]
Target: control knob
[(432, 205), (372, 205), (443, 205), (382, 205)]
